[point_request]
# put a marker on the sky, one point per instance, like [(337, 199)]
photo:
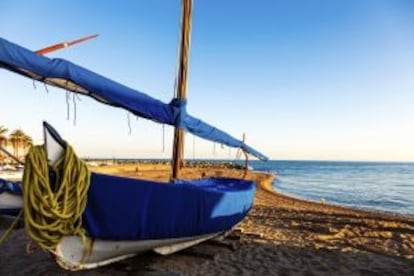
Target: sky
[(305, 80)]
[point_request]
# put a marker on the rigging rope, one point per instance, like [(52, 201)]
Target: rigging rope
[(51, 213), (129, 123), (74, 108), (67, 105), (47, 90), (6, 233)]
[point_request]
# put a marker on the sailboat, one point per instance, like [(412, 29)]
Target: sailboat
[(126, 216)]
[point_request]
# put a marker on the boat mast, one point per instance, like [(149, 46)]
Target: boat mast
[(178, 146)]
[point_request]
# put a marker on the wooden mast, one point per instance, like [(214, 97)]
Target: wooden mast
[(178, 146)]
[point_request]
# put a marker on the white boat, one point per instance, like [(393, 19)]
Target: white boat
[(215, 206), (11, 200)]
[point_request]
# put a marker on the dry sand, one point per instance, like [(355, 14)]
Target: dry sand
[(280, 236)]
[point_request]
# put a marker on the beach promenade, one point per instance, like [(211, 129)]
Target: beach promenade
[(280, 236)]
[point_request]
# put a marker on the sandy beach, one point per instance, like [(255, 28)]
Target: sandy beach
[(280, 236)]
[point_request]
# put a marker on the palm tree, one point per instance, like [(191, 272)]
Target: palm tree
[(27, 142), (16, 139), (3, 139)]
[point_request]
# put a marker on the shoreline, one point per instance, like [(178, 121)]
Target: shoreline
[(281, 235), (268, 187)]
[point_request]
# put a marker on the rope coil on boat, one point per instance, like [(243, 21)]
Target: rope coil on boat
[(54, 211)]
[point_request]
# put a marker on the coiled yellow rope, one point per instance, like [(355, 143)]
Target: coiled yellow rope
[(53, 211)]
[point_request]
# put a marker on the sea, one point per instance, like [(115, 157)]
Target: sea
[(382, 186)]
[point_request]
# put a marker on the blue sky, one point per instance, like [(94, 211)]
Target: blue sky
[(330, 80)]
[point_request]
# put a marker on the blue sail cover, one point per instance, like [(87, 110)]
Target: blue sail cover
[(11, 187), (69, 76), (121, 208)]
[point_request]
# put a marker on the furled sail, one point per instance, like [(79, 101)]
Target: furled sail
[(71, 77)]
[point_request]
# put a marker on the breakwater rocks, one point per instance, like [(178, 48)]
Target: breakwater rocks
[(211, 164)]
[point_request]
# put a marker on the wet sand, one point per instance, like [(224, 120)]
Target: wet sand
[(280, 236)]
